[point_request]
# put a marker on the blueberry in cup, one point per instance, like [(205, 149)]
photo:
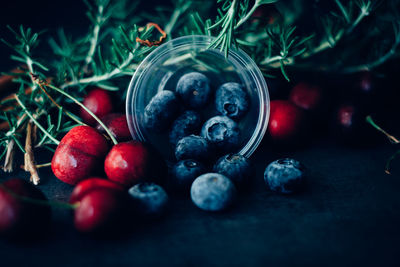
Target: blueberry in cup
[(189, 122), (192, 147), (161, 111), (232, 100), (222, 132), (194, 89)]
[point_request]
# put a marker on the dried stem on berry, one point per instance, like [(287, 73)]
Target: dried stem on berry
[(29, 158), (9, 160)]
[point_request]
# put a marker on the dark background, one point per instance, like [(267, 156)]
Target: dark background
[(348, 216)]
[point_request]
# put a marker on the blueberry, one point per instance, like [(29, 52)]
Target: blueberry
[(234, 166), (222, 132), (149, 199), (194, 89), (285, 176), (212, 192), (161, 111), (185, 172), (232, 100), (192, 147), (186, 124)]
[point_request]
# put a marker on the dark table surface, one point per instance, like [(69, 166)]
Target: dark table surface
[(348, 215)]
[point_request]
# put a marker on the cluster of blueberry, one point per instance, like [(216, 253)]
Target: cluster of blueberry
[(193, 92), (198, 144), (212, 182)]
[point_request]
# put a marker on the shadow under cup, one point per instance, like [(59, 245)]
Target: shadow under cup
[(163, 67)]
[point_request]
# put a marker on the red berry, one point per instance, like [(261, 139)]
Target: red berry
[(267, 14), (350, 123), (78, 155), (20, 217), (306, 96), (92, 183), (285, 121), (345, 116), (98, 210), (351, 127), (117, 124), (133, 162), (365, 82), (99, 102)]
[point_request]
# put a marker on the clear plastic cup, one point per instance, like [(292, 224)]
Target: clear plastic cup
[(163, 67)]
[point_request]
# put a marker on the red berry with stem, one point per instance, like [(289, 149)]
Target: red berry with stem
[(118, 126), (20, 214), (100, 209), (286, 120), (99, 102), (351, 127), (78, 155), (306, 96), (132, 162), (92, 183)]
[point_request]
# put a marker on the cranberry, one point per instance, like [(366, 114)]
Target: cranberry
[(286, 121), (19, 216), (132, 162), (117, 124), (100, 209), (306, 96), (99, 102), (92, 183), (351, 127), (78, 155)]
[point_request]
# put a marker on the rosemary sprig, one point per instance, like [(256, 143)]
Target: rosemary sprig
[(233, 14)]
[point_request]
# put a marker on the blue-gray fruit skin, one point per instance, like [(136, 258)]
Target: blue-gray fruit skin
[(231, 100), (285, 176), (192, 147), (194, 89), (189, 122), (236, 167), (161, 111), (222, 132), (184, 173), (149, 199), (213, 192)]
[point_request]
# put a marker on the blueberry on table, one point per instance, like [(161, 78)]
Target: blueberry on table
[(161, 111), (185, 172), (189, 122), (212, 192), (149, 199), (192, 147), (234, 166), (232, 100), (194, 89), (285, 176), (222, 132)]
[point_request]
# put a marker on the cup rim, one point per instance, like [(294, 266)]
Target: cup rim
[(234, 54)]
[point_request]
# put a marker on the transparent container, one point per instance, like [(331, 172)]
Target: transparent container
[(163, 67)]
